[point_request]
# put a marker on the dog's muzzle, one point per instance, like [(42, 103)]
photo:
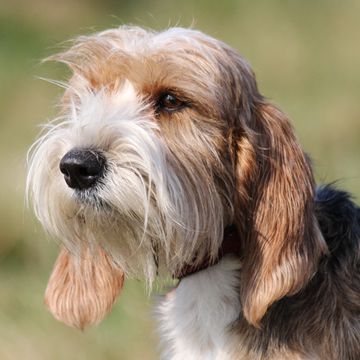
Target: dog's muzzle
[(82, 168)]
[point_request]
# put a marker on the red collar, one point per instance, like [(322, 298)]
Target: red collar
[(230, 245)]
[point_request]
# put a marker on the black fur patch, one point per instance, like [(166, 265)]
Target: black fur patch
[(339, 220), (325, 315)]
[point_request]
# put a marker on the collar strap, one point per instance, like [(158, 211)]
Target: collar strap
[(230, 245)]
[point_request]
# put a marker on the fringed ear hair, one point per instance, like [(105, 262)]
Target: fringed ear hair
[(82, 290), (274, 212)]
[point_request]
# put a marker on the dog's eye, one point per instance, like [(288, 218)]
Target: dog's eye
[(169, 102)]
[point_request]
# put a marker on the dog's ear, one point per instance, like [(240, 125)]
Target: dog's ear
[(274, 211), (82, 289)]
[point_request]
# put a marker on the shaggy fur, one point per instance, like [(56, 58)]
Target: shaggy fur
[(178, 173), (92, 275)]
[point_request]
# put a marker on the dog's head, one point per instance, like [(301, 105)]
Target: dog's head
[(163, 141)]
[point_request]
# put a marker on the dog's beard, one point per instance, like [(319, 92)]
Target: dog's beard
[(150, 209)]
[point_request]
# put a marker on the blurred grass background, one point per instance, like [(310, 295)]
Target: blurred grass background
[(307, 58)]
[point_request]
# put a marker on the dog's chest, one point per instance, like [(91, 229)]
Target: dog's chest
[(195, 317)]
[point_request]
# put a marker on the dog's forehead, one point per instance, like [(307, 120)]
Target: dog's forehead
[(181, 57)]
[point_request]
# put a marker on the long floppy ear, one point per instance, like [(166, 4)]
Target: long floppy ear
[(81, 291), (274, 212)]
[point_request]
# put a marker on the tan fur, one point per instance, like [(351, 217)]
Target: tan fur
[(284, 244), (81, 291)]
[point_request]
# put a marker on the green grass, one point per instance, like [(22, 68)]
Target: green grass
[(306, 57)]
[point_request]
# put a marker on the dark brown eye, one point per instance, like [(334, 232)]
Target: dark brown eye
[(169, 102)]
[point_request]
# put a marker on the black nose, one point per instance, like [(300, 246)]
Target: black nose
[(82, 168)]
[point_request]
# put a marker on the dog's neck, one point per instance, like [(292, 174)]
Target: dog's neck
[(230, 245), (196, 316)]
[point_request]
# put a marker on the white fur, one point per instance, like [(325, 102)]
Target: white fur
[(196, 316)]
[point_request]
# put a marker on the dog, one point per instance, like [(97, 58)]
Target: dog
[(166, 160)]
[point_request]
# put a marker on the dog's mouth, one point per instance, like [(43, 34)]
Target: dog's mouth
[(90, 198)]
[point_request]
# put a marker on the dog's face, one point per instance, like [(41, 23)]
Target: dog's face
[(163, 141)]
